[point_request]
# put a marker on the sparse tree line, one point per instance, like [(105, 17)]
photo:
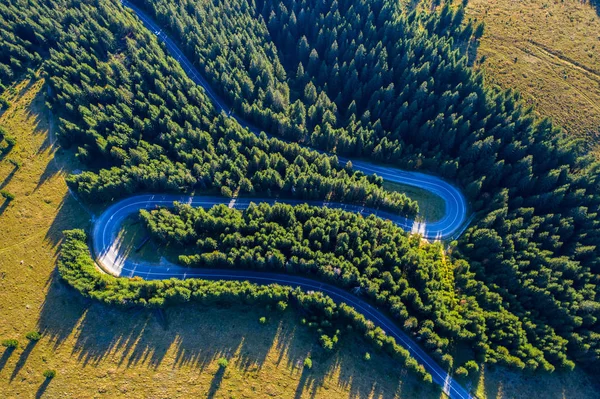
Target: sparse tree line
[(78, 269)]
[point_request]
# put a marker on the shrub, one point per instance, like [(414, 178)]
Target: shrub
[(326, 342), (308, 362), (262, 320), (33, 336), (281, 306), (49, 374), (10, 343), (223, 363), (7, 196), (226, 192), (461, 372), (471, 366), (10, 141), (367, 356)]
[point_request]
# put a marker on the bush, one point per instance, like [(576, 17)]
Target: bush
[(308, 363), (281, 306), (10, 343), (10, 141), (326, 342), (7, 196), (262, 320), (461, 372), (226, 192), (223, 363), (33, 336), (367, 356), (49, 374), (471, 366)]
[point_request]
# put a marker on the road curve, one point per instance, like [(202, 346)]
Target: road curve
[(112, 258), (450, 226)]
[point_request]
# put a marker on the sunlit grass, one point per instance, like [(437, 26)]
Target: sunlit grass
[(431, 206)]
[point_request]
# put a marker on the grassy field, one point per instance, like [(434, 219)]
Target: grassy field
[(549, 50), (431, 207), (99, 351)]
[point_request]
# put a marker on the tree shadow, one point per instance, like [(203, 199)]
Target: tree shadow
[(215, 384), (4, 205), (42, 389), (61, 310), (5, 357), (198, 334), (70, 215), (22, 359), (8, 177), (51, 170)]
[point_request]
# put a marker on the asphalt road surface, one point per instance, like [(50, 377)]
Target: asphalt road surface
[(113, 259)]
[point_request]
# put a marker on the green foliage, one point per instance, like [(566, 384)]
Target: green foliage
[(396, 88), (461, 372), (281, 306), (10, 343), (49, 374), (7, 195), (262, 320), (307, 363), (367, 356), (77, 268), (326, 342), (33, 336), (471, 366), (361, 79), (414, 282), (222, 363)]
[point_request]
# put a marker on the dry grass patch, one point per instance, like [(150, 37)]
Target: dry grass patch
[(549, 50)]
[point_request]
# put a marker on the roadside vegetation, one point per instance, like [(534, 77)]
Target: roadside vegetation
[(101, 351), (362, 79), (416, 103)]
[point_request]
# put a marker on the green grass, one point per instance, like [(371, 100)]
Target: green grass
[(431, 206)]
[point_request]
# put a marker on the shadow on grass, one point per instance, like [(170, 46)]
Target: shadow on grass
[(215, 384), (8, 177), (22, 359), (596, 5), (42, 388), (200, 334), (5, 357), (4, 205)]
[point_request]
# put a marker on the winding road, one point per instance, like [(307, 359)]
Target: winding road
[(113, 258)]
